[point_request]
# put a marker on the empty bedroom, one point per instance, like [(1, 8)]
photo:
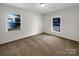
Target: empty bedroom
[(39, 29)]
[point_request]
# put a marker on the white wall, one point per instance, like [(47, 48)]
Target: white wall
[(31, 24), (70, 23)]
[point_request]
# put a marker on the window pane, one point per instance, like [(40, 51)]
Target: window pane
[(56, 24), (14, 22)]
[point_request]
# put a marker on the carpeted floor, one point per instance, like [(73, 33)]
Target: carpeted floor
[(40, 45)]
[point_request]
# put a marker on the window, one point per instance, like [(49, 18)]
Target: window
[(14, 22), (56, 24)]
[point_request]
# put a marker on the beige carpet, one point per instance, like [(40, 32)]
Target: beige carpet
[(40, 45)]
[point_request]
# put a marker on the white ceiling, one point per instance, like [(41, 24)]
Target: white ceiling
[(50, 7)]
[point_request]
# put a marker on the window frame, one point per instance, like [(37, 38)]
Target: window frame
[(52, 30), (6, 20)]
